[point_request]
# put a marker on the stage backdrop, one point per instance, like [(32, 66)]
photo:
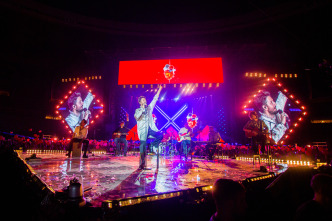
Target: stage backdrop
[(174, 71)]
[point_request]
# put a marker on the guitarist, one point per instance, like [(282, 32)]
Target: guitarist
[(257, 130), (185, 139), (120, 137)]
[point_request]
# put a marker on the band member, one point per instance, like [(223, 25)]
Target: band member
[(80, 134), (257, 130), (120, 137), (78, 109), (185, 139), (276, 120), (146, 127), (214, 138)]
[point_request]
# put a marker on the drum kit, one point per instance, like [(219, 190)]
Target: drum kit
[(168, 145)]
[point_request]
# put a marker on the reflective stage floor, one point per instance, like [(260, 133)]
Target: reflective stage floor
[(112, 177)]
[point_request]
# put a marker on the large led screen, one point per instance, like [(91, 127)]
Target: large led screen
[(194, 70)]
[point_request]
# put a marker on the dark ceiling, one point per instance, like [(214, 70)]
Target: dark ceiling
[(44, 40)]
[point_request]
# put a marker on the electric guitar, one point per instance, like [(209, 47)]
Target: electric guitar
[(183, 136), (118, 135), (255, 132)]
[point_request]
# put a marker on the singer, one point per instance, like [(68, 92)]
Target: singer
[(78, 109), (276, 120), (146, 126)]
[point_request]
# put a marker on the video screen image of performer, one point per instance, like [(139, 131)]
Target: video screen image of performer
[(120, 137), (185, 134), (80, 134), (146, 126), (78, 109), (257, 130), (272, 113)]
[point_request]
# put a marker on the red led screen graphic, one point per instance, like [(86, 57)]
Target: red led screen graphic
[(174, 71)]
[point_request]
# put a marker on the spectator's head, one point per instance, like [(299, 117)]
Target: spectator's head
[(322, 187), (229, 197), (265, 103), (75, 102)]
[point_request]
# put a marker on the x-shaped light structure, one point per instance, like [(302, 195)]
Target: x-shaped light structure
[(171, 120)]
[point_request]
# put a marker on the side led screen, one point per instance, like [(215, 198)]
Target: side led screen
[(171, 71), (280, 110), (78, 104)]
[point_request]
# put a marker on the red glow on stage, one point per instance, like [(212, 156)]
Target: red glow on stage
[(196, 70)]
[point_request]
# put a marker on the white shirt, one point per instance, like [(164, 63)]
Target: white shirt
[(278, 129), (184, 130), (144, 121)]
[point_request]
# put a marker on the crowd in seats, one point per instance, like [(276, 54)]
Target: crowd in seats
[(285, 152)]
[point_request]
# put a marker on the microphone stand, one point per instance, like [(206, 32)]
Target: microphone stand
[(269, 153)]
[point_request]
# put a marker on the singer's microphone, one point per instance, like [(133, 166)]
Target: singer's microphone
[(280, 112), (85, 109)]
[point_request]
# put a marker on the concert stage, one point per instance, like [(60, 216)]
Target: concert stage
[(112, 178)]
